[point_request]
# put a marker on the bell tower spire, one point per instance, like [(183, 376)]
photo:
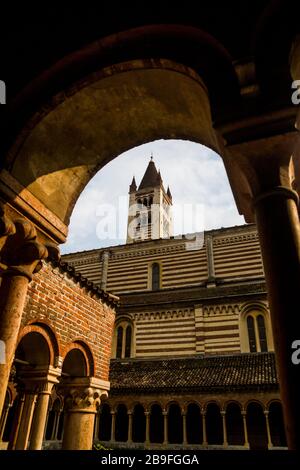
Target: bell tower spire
[(150, 215)]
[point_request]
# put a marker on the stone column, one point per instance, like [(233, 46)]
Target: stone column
[(26, 420), (165, 415), (129, 440), (225, 442), (147, 414), (4, 419), (203, 414), (22, 255), (41, 411), (97, 425), (113, 426), (246, 444), (82, 401), (270, 445), (279, 231), (55, 425), (17, 421), (184, 429)]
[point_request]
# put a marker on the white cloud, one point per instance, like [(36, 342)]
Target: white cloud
[(194, 173)]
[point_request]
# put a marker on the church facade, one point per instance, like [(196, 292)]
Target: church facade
[(192, 353)]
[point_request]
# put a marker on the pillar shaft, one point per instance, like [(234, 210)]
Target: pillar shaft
[(246, 442), (147, 414), (184, 429), (129, 427), (39, 422), (16, 422), (165, 414), (279, 232), (204, 428), (26, 420), (225, 442), (3, 420), (79, 430), (270, 445), (113, 426), (13, 290)]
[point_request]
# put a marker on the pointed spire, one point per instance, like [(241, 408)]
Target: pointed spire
[(169, 193), (159, 178), (133, 186), (151, 177)]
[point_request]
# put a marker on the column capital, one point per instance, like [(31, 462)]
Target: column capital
[(266, 412), (21, 252), (83, 393), (244, 413), (223, 413)]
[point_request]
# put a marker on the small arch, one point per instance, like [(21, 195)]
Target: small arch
[(75, 364), (256, 426), (234, 424), (276, 423), (138, 423), (155, 276), (255, 328), (194, 424), (175, 424), (105, 423), (85, 352), (214, 424), (34, 349), (123, 339), (121, 433), (156, 424)]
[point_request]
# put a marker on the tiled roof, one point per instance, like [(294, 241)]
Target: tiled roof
[(203, 374)]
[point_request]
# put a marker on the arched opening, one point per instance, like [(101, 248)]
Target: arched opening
[(277, 425), (53, 420), (105, 423), (234, 425), (214, 425), (256, 425), (33, 350), (175, 424), (156, 424), (155, 269), (123, 339), (194, 427), (138, 424), (74, 364), (121, 424)]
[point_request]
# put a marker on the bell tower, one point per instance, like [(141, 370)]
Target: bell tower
[(150, 207)]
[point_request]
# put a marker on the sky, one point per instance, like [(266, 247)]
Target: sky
[(202, 198)]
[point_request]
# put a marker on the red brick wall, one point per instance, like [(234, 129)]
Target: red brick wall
[(72, 313)]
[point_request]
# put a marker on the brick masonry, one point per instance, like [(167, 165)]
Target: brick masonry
[(59, 305)]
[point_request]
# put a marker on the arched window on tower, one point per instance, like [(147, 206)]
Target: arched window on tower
[(155, 278), (123, 340), (256, 335)]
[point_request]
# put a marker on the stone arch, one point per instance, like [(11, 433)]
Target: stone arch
[(35, 347), (138, 423), (156, 423), (194, 426), (214, 425), (105, 422), (255, 309), (121, 430), (256, 425), (276, 423), (85, 352), (234, 423)]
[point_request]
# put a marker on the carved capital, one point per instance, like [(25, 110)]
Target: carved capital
[(83, 399), (21, 253)]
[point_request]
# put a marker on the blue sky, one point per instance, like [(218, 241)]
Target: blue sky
[(195, 174)]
